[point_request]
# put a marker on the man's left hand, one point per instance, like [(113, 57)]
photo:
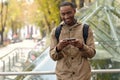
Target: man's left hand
[(77, 43)]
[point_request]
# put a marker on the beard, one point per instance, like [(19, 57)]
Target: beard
[(70, 22)]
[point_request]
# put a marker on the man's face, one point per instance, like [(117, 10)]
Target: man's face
[(67, 14)]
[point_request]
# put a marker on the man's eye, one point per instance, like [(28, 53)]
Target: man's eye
[(69, 12), (63, 14)]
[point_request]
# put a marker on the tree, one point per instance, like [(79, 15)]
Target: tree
[(81, 3), (49, 14), (15, 19), (73, 1), (3, 12)]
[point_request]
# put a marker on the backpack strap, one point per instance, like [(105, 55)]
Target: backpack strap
[(85, 32), (57, 32)]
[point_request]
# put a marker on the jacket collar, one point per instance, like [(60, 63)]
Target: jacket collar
[(77, 23)]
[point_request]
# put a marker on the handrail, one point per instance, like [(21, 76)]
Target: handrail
[(53, 72), (7, 54), (12, 50)]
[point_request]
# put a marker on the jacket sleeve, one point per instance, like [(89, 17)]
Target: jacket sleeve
[(89, 48), (53, 42)]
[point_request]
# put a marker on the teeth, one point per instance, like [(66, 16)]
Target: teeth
[(67, 20)]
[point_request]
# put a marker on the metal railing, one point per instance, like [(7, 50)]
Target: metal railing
[(53, 72), (12, 57)]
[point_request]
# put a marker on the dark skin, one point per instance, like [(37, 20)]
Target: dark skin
[(67, 15)]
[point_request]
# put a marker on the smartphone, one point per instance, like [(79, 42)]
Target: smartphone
[(70, 39)]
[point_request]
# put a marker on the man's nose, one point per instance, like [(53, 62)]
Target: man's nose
[(66, 16)]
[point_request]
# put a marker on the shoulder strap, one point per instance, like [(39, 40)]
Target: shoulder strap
[(57, 32), (85, 32)]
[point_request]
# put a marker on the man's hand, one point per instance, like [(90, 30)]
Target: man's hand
[(62, 44), (77, 43)]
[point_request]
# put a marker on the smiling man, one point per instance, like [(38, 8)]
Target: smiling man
[(67, 14), (71, 51)]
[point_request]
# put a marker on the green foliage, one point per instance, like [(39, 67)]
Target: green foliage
[(13, 15), (14, 9), (49, 13)]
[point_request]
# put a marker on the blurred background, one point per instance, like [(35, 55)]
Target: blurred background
[(25, 27)]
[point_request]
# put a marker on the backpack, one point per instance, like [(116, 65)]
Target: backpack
[(85, 32)]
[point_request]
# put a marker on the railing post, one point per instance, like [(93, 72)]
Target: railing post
[(16, 56), (13, 60), (9, 64), (3, 68)]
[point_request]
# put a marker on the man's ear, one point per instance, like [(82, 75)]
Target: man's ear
[(74, 10)]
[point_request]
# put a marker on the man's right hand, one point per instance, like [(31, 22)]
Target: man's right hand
[(62, 44)]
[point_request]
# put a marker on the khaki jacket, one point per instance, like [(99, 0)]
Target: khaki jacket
[(71, 65)]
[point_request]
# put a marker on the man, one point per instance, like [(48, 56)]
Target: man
[(70, 51)]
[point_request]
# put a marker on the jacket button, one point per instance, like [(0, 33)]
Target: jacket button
[(72, 58), (70, 29), (73, 73)]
